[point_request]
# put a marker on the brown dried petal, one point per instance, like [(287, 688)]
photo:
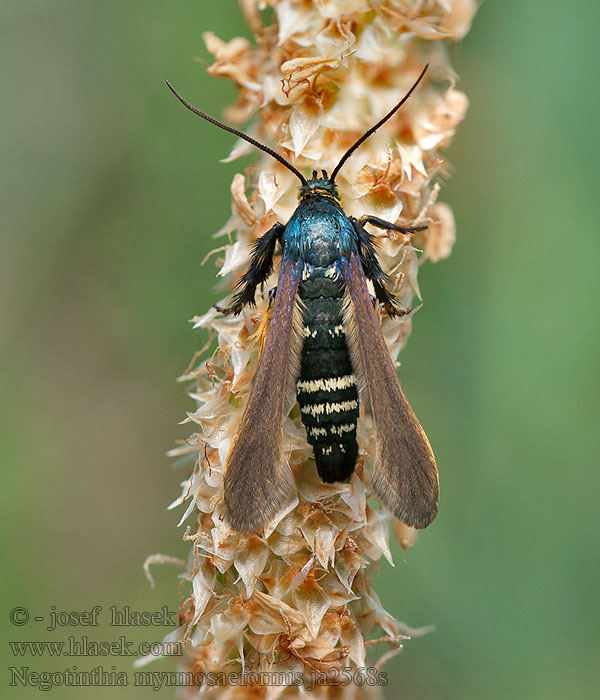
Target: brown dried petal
[(294, 20), (458, 20), (268, 189), (369, 610), (348, 562), (320, 534), (437, 241), (377, 533), (222, 50), (262, 643), (226, 542), (203, 584), (336, 38), (229, 624), (338, 594), (329, 633), (305, 119), (405, 535), (412, 159), (278, 578), (312, 601), (396, 332), (312, 489), (337, 8), (271, 615), (298, 72), (301, 573), (251, 560), (280, 518), (236, 256), (350, 636), (355, 498), (239, 202)]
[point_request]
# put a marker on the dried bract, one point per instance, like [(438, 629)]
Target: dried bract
[(296, 598)]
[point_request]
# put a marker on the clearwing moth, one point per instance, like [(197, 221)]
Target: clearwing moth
[(324, 343)]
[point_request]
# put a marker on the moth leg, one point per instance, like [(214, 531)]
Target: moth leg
[(381, 223), (373, 271), (261, 266), (261, 334)]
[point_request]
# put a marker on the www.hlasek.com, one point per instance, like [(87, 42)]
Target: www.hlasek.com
[(83, 646)]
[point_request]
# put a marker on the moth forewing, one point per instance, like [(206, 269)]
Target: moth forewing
[(405, 475), (258, 482)]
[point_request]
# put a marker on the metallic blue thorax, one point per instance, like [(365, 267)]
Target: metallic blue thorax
[(319, 232)]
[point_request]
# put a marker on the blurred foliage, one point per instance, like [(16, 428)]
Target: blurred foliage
[(110, 196)]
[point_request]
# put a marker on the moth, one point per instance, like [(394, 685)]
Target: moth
[(323, 343)]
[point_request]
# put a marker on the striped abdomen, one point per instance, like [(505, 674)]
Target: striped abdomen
[(326, 387)]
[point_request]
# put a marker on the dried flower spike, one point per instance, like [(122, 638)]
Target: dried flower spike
[(292, 605)]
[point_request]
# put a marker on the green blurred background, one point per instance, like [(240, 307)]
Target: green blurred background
[(110, 195)]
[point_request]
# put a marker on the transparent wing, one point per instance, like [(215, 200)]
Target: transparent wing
[(405, 476), (257, 480)]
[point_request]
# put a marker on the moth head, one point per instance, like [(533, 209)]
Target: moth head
[(318, 186)]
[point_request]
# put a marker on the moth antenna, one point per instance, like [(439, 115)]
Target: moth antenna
[(373, 129), (237, 133)]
